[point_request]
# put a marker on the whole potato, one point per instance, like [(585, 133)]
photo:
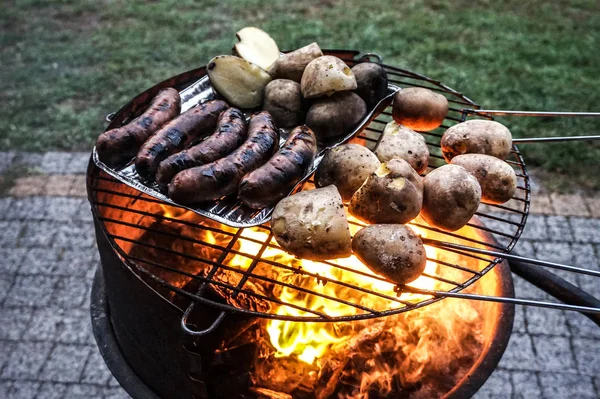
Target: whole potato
[(326, 75), (312, 225), (284, 101), (497, 179), (391, 250), (292, 65), (392, 194), (404, 143), (346, 167), (477, 136), (335, 116), (419, 109), (451, 196), (371, 82)]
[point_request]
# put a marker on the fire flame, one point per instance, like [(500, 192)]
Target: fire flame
[(311, 340)]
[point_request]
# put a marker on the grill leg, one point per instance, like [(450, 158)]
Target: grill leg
[(556, 286)]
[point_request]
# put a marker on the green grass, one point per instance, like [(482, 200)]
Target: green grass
[(66, 64)]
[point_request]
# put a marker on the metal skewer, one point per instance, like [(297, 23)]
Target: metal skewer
[(527, 113), (488, 298), (551, 139), (508, 256)]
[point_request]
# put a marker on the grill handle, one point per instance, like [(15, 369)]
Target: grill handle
[(198, 333), (556, 286)]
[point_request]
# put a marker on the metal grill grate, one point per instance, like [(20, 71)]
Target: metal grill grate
[(202, 260)]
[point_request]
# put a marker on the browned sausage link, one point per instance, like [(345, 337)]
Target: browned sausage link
[(117, 146), (176, 135), (230, 134), (274, 180), (217, 179)]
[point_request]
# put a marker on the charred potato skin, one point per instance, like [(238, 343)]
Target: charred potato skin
[(117, 146), (392, 194), (284, 101), (312, 225), (393, 251), (292, 65), (451, 196), (404, 143), (371, 82), (497, 179), (274, 180), (419, 109), (326, 75), (476, 136), (335, 116), (346, 167)]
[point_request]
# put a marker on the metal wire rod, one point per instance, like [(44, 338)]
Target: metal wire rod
[(552, 139), (527, 113), (508, 256), (515, 301)]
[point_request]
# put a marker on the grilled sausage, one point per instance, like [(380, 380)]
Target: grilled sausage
[(231, 132), (274, 180), (176, 135), (119, 145), (217, 179)]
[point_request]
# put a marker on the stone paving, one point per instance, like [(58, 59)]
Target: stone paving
[(48, 258)]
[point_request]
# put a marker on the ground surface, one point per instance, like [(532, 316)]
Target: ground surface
[(65, 65), (48, 257)]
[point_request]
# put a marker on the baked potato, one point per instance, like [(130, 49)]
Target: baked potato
[(476, 136), (497, 179), (326, 75), (392, 194), (346, 167), (292, 65), (312, 225), (451, 196), (404, 143), (391, 250), (335, 116), (284, 101), (371, 82), (419, 109)]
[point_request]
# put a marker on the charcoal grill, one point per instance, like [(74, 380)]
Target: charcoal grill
[(126, 218)]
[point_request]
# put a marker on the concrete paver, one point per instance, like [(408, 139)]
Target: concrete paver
[(48, 256)]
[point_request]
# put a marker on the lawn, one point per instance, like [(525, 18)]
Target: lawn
[(66, 64)]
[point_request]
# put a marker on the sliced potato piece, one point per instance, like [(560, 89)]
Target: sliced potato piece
[(239, 81), (257, 47), (326, 75)]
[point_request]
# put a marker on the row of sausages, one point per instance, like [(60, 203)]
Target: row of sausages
[(210, 151)]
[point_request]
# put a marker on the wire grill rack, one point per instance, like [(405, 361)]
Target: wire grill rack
[(244, 270)]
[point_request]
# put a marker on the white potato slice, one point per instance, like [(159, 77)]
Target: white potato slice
[(257, 47), (239, 81)]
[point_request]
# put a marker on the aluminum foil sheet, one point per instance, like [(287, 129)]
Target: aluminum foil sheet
[(227, 210)]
